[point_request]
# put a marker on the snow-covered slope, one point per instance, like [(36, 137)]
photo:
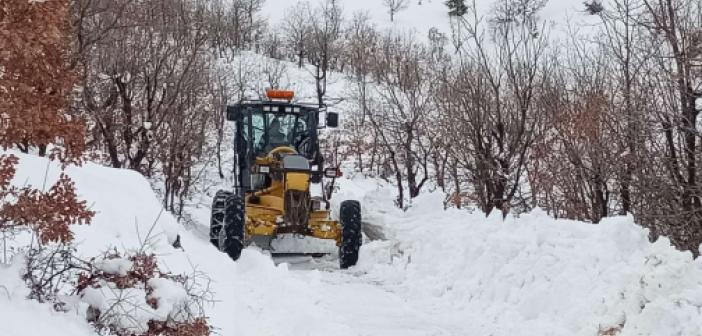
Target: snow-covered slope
[(422, 15), (439, 273)]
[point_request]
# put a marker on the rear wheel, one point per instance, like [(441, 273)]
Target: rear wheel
[(229, 235), (351, 237)]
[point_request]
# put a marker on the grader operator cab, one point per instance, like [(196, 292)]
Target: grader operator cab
[(277, 160)]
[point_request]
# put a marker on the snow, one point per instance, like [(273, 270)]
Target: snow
[(128, 308), (419, 18), (126, 215), (125, 308), (172, 299), (440, 272), (22, 317), (550, 277), (118, 266), (252, 67)]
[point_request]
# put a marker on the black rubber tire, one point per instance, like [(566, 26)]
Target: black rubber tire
[(217, 215), (351, 236), (231, 237)]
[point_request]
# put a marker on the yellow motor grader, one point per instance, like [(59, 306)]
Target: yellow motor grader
[(277, 161)]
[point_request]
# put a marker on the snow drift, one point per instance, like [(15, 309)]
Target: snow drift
[(531, 275)]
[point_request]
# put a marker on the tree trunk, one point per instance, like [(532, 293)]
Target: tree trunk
[(456, 184), (42, 150), (398, 176)]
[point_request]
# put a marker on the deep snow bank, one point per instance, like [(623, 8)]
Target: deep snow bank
[(128, 217), (533, 275)]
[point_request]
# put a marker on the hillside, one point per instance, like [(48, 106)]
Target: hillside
[(422, 15)]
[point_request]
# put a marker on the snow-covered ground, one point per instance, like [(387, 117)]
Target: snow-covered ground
[(422, 15), (438, 273), (22, 317)]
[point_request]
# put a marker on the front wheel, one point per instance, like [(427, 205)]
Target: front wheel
[(217, 215), (228, 220), (351, 237)]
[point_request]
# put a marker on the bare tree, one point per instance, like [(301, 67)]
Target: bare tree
[(403, 105), (324, 43), (362, 40), (496, 94), (296, 30), (243, 23), (394, 6), (144, 88), (674, 31), (579, 154), (622, 45)]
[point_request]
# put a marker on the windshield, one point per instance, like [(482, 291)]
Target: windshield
[(271, 130)]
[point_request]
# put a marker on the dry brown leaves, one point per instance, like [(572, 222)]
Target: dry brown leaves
[(48, 213), (36, 79)]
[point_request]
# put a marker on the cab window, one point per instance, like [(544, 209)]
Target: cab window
[(272, 130)]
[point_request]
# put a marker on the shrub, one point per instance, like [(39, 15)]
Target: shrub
[(130, 295), (48, 213)]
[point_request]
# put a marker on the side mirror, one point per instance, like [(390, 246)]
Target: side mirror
[(233, 113), (332, 119), (332, 173)]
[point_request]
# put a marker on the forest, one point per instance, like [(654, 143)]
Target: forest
[(498, 113)]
